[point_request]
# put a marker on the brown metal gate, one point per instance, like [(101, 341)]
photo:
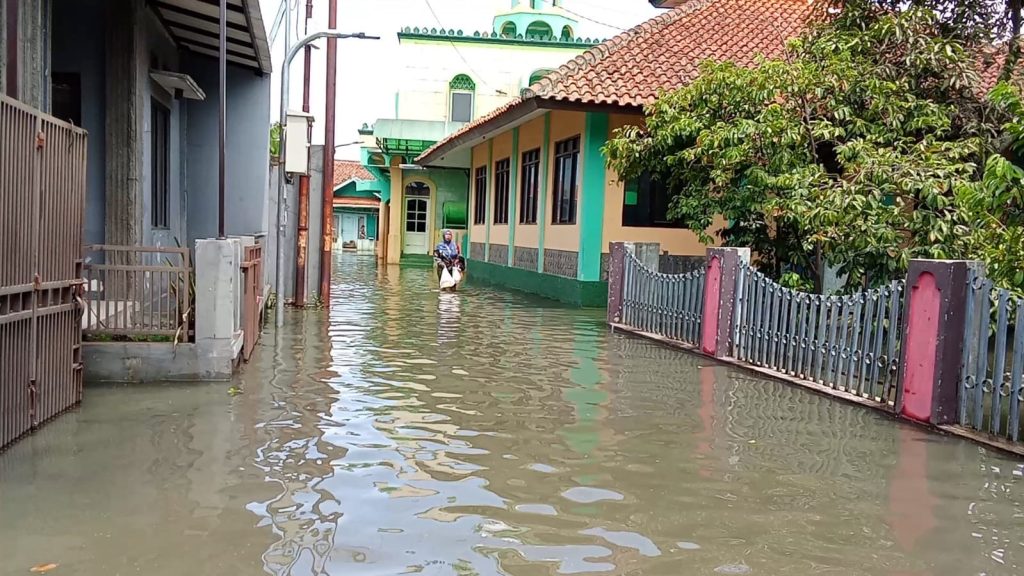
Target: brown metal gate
[(42, 204)]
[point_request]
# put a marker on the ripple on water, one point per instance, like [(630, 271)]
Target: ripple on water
[(542, 509), (588, 495), (638, 542)]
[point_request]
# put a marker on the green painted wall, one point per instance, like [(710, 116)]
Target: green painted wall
[(452, 186), (371, 218), (595, 134), (568, 290)]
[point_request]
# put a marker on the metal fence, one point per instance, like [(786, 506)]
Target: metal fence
[(993, 360), (252, 298), (848, 343), (669, 305), (137, 292), (42, 204)]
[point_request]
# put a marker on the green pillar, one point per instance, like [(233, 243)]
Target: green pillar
[(487, 199), (591, 201), (513, 178), (542, 212)]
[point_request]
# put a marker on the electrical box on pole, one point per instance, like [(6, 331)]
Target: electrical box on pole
[(296, 160)]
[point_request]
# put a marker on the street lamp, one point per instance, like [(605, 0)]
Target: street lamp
[(281, 180), (348, 144)]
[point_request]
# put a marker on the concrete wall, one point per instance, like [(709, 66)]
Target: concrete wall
[(33, 63), (248, 152), (78, 47), (291, 230), (159, 44), (505, 71)]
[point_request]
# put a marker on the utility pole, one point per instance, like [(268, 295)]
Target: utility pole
[(282, 177), (302, 237), (328, 188)]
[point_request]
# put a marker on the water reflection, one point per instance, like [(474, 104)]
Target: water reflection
[(407, 431)]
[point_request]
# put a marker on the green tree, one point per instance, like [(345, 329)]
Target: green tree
[(861, 149)]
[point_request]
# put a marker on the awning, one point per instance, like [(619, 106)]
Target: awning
[(354, 202), (410, 138), (195, 25)]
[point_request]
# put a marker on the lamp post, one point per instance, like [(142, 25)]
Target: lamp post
[(282, 176)]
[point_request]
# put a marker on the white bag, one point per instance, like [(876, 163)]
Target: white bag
[(446, 279), (456, 275)]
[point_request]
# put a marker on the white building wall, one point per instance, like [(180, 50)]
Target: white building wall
[(499, 71)]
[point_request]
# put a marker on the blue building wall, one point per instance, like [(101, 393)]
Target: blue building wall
[(247, 152), (78, 46)]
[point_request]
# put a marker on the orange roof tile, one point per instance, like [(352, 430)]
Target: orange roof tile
[(345, 170), (665, 53), (991, 63)]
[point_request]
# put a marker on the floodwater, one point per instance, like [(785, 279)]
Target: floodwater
[(489, 433)]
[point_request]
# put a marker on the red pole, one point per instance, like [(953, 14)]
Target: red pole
[(328, 193), (302, 238)]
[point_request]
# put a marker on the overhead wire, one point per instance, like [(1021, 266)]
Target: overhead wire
[(459, 52)]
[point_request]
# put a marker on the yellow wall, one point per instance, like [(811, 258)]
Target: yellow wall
[(564, 125), (477, 232), (502, 150), (531, 136), (676, 241)]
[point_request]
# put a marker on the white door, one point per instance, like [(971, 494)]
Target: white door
[(349, 227), (417, 211)]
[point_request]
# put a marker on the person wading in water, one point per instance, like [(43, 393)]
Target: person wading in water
[(449, 254)]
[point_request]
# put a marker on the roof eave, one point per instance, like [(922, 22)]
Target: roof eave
[(516, 115)]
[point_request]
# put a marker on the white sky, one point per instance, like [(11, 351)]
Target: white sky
[(366, 82)]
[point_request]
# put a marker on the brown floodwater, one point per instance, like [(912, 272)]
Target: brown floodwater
[(485, 432)]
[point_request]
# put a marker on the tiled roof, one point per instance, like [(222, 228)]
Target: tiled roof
[(665, 53), (991, 64), (345, 170)]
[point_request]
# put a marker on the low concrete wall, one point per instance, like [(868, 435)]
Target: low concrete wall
[(155, 362), (569, 290)]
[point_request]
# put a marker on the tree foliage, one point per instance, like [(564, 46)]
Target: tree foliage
[(869, 144)]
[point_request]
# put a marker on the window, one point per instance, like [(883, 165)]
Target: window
[(160, 170), (529, 187), (508, 30), (462, 90), (567, 33), (480, 196), (567, 162), (539, 31), (645, 203), (502, 173)]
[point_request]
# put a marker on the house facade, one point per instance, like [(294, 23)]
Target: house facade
[(544, 204), (142, 79), (356, 207), (451, 78)]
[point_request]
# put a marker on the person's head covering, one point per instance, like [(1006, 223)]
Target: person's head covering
[(446, 232)]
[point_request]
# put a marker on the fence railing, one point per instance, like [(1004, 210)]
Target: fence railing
[(669, 305), (993, 360), (42, 203), (138, 292), (848, 343), (944, 347), (252, 297)]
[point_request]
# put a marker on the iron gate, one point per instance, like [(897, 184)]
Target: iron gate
[(42, 204)]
